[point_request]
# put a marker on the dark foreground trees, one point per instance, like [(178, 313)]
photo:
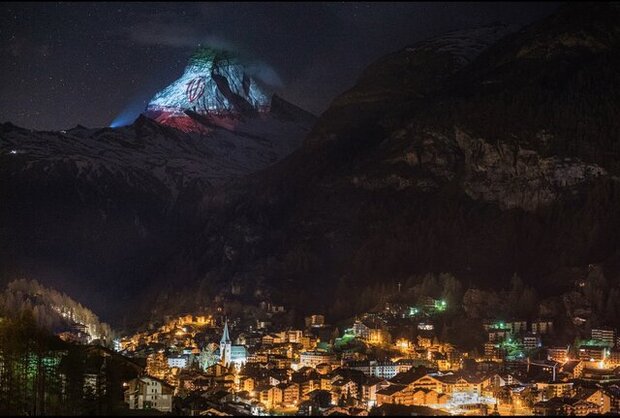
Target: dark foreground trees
[(42, 375)]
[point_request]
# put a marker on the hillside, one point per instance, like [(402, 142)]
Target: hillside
[(444, 158)]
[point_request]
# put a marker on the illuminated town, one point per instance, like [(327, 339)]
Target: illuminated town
[(411, 353), (393, 358)]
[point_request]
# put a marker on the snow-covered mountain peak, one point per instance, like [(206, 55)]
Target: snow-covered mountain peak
[(215, 89)]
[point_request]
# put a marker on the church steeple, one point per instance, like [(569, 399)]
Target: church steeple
[(225, 335), (225, 346)]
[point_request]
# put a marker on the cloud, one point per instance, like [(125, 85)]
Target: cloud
[(182, 36), (264, 73), (173, 35)]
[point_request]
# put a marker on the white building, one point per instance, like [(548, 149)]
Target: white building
[(314, 358), (178, 361), (149, 393), (380, 369)]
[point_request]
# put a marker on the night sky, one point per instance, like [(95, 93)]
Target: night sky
[(64, 64)]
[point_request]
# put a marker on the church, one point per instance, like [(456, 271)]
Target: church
[(231, 354)]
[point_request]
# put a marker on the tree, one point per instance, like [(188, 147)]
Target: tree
[(612, 311), (452, 291)]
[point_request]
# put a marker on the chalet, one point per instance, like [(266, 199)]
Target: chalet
[(596, 396), (247, 383), (370, 388), (343, 389), (572, 368), (450, 383), (565, 406), (428, 397), (290, 393), (148, 392), (551, 390), (393, 394), (269, 396)]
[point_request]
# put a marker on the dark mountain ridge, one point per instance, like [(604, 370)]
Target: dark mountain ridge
[(90, 211)]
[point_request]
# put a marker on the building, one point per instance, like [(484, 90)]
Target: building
[(614, 392), (573, 368), (361, 330), (290, 393), (593, 353), (149, 393), (205, 320), (393, 394), (604, 335), (551, 390), (370, 388), (614, 358), (343, 389), (531, 341), (294, 336), (598, 397), (451, 383), (372, 333), (517, 327), (498, 334), (426, 326), (157, 365), (565, 406), (229, 353), (559, 354), (314, 358), (383, 370), (95, 380), (541, 326), (380, 369), (269, 396), (600, 375), (247, 384), (493, 351), (178, 361), (428, 381), (315, 321)]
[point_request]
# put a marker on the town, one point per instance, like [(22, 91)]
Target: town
[(428, 346), (389, 361)]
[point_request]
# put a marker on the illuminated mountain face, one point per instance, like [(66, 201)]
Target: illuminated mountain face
[(216, 85)]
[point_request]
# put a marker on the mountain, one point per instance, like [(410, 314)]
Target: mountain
[(214, 85), (216, 92), (91, 210), (481, 153), (54, 311)]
